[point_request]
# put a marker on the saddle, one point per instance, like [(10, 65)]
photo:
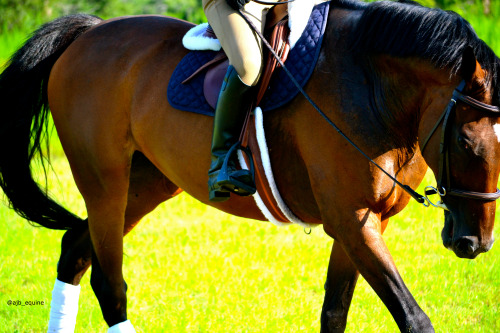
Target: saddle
[(196, 82), (186, 88), (276, 31)]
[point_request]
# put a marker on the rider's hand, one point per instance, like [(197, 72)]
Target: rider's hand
[(237, 4)]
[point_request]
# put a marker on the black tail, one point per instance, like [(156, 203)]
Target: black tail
[(23, 119)]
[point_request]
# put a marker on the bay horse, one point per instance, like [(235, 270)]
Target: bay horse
[(385, 74)]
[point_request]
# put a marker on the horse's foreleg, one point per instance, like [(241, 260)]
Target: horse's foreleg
[(339, 288), (362, 241)]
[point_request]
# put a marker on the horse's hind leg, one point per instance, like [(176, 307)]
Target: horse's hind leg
[(148, 188), (102, 176), (73, 262), (76, 254)]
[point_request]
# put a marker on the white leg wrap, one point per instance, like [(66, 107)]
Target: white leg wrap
[(63, 307), (123, 327)]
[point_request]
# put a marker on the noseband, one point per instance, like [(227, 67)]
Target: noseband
[(444, 185)]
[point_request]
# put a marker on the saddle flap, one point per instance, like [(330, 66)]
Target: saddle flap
[(216, 69), (213, 82)]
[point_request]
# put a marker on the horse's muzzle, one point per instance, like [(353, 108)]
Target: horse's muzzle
[(468, 247)]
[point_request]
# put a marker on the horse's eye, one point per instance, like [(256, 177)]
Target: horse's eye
[(464, 142)]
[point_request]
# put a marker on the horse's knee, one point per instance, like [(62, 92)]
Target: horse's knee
[(75, 256)]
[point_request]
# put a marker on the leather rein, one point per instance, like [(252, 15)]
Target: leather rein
[(444, 184), (442, 189)]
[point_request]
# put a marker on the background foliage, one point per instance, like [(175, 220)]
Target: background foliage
[(26, 14)]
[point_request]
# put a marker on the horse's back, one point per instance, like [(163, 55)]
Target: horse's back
[(116, 53)]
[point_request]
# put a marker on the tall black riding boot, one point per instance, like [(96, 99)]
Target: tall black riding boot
[(234, 100)]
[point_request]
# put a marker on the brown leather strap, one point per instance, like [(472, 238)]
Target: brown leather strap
[(476, 104), (275, 15), (475, 195), (279, 42), (219, 57)]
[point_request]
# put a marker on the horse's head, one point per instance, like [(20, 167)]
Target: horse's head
[(474, 165), (466, 162)]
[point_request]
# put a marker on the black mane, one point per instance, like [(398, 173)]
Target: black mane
[(404, 29)]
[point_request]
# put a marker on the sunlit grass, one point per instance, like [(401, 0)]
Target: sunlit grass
[(191, 268)]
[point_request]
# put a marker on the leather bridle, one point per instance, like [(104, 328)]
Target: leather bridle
[(443, 179)]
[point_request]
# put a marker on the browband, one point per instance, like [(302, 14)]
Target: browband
[(475, 103)]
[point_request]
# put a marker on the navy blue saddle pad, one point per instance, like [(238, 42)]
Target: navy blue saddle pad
[(300, 62)]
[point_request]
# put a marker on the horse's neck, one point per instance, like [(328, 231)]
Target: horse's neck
[(414, 94), (386, 93), (361, 87), (396, 97)]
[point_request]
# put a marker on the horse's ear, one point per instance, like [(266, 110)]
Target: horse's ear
[(468, 66)]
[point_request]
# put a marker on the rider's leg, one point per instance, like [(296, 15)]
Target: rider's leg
[(240, 43), (234, 100), (244, 51)]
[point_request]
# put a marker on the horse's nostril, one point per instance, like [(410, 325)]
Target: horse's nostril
[(466, 246)]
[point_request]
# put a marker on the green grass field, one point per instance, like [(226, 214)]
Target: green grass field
[(191, 268)]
